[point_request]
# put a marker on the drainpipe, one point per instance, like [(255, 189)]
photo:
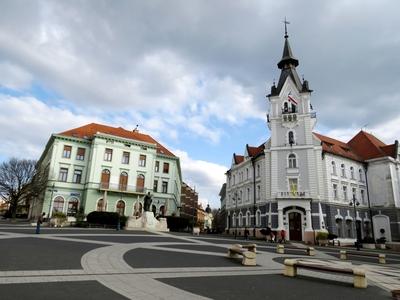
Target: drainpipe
[(254, 196), (369, 203)]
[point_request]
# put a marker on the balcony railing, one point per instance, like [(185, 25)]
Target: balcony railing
[(289, 117), (293, 195), (122, 188)]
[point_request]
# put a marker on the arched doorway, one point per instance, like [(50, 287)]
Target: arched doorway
[(162, 210), (72, 206), (58, 204), (295, 228), (154, 209), (101, 206)]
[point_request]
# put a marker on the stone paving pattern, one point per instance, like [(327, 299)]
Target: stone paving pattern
[(107, 264)]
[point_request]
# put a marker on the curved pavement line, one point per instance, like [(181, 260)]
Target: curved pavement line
[(109, 260)]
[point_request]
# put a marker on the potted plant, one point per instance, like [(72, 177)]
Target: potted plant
[(368, 243), (58, 219), (322, 238)]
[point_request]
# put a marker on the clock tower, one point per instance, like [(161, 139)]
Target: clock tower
[(293, 182)]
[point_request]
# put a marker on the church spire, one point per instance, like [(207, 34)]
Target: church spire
[(288, 58), (288, 65)]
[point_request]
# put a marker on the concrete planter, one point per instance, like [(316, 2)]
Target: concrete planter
[(323, 242), (368, 246), (196, 230), (57, 222), (381, 246)]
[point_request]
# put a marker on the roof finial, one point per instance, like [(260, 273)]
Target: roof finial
[(286, 22)]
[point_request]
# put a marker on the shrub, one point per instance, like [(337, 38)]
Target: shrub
[(322, 235), (177, 223), (381, 240), (103, 218), (332, 236), (59, 215), (368, 240)]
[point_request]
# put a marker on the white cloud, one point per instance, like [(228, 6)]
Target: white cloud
[(14, 77), (206, 177), (27, 123)]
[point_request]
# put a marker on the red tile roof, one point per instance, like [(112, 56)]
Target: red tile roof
[(89, 130), (368, 146), (361, 147), (238, 158), (254, 151)]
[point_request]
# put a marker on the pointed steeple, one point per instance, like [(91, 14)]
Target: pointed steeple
[(288, 65)]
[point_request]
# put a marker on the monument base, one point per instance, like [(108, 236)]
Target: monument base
[(147, 221)]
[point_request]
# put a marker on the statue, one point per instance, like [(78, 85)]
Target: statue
[(147, 202)]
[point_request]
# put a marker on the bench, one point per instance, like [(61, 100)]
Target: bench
[(247, 251), (381, 257), (359, 279), (310, 251)]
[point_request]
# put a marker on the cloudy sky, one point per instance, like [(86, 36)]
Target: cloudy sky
[(193, 74)]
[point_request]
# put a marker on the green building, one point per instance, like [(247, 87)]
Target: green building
[(103, 168)]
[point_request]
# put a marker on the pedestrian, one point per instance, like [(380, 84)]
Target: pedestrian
[(39, 222), (246, 233), (272, 237), (283, 235)]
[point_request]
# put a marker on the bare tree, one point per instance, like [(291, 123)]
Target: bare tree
[(20, 181)]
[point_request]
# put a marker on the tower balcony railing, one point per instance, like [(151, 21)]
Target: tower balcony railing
[(123, 188), (289, 117), (293, 194)]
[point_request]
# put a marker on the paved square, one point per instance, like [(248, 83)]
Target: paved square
[(108, 264)]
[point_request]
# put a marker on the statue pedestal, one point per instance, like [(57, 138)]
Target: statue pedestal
[(147, 221)]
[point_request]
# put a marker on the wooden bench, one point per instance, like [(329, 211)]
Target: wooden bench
[(359, 279), (247, 251), (381, 257)]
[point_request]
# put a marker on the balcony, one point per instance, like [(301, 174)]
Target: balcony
[(123, 188), (289, 117), (293, 195)]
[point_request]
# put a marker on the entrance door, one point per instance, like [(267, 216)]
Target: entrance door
[(295, 226)]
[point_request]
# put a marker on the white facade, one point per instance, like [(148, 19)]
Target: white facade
[(307, 181)]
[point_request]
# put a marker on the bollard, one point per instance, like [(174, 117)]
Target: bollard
[(382, 258), (280, 249), (343, 255), (310, 251)]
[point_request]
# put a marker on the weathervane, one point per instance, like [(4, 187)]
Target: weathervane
[(286, 23)]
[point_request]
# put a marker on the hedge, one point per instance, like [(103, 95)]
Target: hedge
[(106, 218)]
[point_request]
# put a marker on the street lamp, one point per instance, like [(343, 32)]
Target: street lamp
[(236, 198), (52, 190), (355, 203)]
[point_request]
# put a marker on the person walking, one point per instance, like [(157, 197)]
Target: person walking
[(246, 233), (283, 236), (39, 222)]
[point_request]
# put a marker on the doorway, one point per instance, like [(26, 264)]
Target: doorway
[(295, 228)]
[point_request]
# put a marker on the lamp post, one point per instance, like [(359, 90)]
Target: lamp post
[(355, 203), (52, 190), (236, 198)]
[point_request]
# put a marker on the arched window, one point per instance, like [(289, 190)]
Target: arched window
[(360, 174), (121, 207), (343, 168), (258, 170), (333, 168), (240, 219), (140, 183), (162, 210), (101, 206), (352, 172), (248, 218), (72, 206), (291, 138), (105, 179), (258, 218), (123, 181), (248, 194), (285, 107), (234, 219), (240, 195), (154, 210), (292, 160), (247, 173), (58, 204)]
